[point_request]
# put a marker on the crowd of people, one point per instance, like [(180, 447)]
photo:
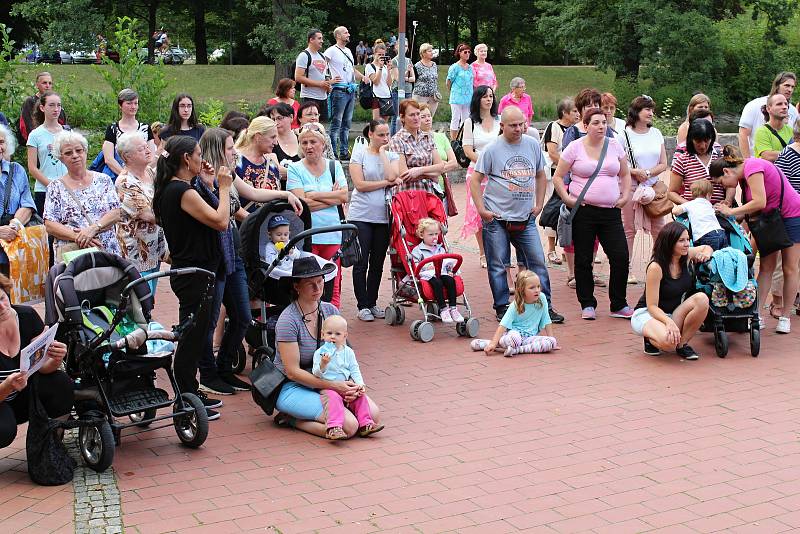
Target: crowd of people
[(176, 192)]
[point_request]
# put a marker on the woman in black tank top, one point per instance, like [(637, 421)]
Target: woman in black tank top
[(666, 316)]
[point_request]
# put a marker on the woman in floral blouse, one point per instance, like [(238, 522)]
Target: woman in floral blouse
[(82, 206), (141, 239), (482, 70)]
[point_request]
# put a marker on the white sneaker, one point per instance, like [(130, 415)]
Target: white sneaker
[(478, 344), (445, 315), (784, 325), (366, 315), (377, 312), (762, 324), (456, 315)]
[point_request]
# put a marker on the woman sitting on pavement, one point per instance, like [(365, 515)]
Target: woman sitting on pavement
[(19, 325), (298, 335), (665, 316)]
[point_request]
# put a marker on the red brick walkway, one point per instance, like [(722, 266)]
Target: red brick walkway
[(595, 437)]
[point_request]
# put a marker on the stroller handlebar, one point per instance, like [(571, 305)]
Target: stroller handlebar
[(305, 234), (182, 271), (437, 261)]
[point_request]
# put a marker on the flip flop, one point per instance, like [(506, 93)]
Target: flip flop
[(772, 312), (571, 282)]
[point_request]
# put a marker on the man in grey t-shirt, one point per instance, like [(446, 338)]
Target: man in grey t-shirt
[(310, 70), (514, 196)]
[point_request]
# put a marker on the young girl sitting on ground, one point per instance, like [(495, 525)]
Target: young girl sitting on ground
[(428, 230), (335, 361), (521, 327)]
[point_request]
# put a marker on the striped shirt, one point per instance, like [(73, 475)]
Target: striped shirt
[(691, 169), (789, 162)]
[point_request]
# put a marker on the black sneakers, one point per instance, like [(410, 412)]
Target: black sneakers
[(207, 401), (650, 349), (235, 382), (555, 317), (687, 353), (216, 385), (500, 312)]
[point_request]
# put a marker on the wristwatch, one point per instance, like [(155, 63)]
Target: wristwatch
[(98, 226), (647, 173)]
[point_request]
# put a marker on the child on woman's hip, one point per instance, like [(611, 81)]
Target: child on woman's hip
[(521, 328), (335, 361)]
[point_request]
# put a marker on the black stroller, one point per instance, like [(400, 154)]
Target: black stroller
[(102, 306), (263, 280)]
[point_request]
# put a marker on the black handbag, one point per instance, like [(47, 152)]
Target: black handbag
[(386, 107), (365, 95), (768, 228), (267, 382), (458, 148), (549, 216), (49, 463), (349, 253)]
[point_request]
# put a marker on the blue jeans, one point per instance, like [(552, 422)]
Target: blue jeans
[(394, 122), (237, 306), (716, 239), (497, 243), (341, 117)]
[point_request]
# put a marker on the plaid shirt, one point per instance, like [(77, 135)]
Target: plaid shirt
[(418, 152)]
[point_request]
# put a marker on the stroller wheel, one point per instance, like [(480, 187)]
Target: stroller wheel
[(192, 428), (721, 343), (239, 359), (755, 338), (431, 308), (414, 328), (422, 331), (390, 315), (468, 328), (143, 416), (401, 315), (97, 444)]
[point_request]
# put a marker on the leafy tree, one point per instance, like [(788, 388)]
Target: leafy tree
[(13, 88), (66, 24)]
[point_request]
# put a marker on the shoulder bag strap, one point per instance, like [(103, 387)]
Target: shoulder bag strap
[(780, 202), (339, 208), (630, 148), (600, 160), (345, 55), (771, 129), (78, 202), (9, 183), (320, 318)]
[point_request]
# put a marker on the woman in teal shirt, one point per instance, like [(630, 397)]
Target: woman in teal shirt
[(459, 82)]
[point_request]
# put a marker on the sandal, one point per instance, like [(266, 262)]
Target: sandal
[(335, 433), (483, 261), (571, 282), (772, 312), (599, 282), (554, 258), (368, 429), (283, 420)]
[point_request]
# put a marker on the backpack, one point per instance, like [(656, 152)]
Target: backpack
[(365, 94), (297, 85)]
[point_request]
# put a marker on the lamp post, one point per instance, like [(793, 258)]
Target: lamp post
[(401, 52)]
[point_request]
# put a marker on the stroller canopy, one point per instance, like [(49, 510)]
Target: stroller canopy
[(96, 278)]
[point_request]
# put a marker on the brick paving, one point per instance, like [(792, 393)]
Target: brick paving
[(596, 437)]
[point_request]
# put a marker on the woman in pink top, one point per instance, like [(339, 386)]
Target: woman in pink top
[(600, 214), (761, 184), (482, 71), (518, 97)]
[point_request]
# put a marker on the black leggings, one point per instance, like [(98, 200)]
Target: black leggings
[(374, 240), (195, 342), (56, 393), (443, 283)]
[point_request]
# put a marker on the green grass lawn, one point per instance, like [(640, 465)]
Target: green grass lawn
[(252, 83)]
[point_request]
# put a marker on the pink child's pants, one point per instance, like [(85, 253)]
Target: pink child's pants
[(336, 406)]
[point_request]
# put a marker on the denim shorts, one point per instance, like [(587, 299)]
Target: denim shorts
[(640, 318), (300, 402), (792, 225)]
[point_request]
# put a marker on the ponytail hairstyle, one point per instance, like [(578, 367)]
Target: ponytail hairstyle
[(169, 163), (38, 114), (731, 158), (524, 278), (212, 143), (372, 126), (259, 125)]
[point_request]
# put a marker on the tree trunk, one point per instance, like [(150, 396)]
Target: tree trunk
[(280, 10), (152, 10), (200, 44), (500, 50), (473, 24)]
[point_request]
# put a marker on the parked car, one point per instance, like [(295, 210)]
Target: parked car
[(57, 57), (83, 57)]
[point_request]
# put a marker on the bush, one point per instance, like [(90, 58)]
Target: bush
[(13, 89)]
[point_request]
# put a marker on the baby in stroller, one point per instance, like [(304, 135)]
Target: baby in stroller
[(429, 230), (279, 233)]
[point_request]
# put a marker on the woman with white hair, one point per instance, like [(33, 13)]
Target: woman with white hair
[(426, 90), (141, 239), (519, 98), (311, 179), (17, 207), (82, 207), (482, 70)]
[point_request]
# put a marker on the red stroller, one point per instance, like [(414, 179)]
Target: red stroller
[(405, 211)]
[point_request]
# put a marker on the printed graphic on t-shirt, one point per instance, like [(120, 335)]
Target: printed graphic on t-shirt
[(519, 172), (319, 64)]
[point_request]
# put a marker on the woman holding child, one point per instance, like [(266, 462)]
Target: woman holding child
[(298, 335)]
